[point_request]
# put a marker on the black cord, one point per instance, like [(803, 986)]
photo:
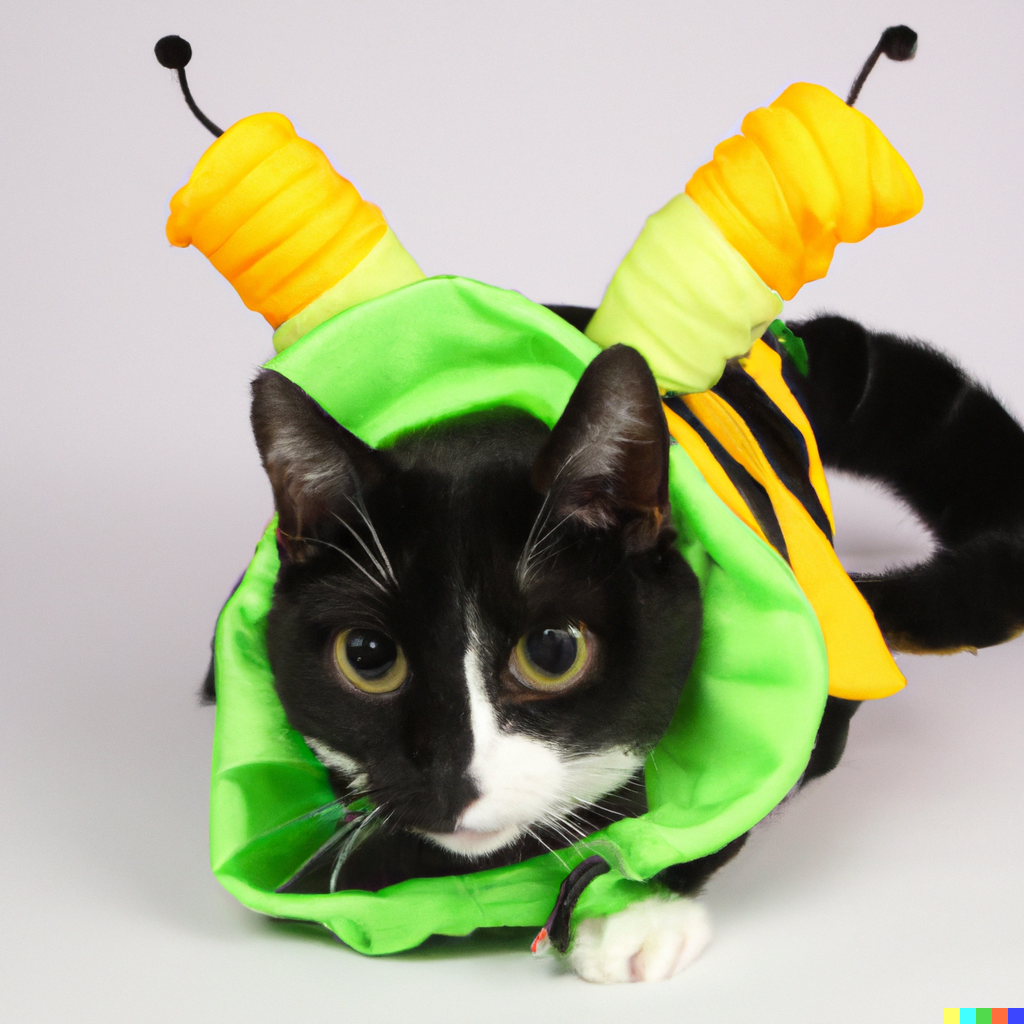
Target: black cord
[(200, 116), (557, 929), (174, 52), (898, 43)]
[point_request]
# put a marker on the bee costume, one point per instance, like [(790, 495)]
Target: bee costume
[(385, 350)]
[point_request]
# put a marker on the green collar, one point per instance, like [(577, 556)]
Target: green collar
[(747, 717)]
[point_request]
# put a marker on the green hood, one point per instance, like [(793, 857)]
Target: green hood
[(746, 721)]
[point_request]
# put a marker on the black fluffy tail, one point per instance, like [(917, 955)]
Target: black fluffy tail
[(901, 413)]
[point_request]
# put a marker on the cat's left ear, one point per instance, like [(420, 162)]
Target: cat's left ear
[(606, 461), (317, 468)]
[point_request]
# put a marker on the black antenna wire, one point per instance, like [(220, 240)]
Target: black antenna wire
[(898, 43), (174, 52)]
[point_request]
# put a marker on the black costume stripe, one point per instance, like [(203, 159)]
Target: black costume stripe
[(790, 375), (778, 437), (752, 492)]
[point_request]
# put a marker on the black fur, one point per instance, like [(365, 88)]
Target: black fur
[(902, 414)]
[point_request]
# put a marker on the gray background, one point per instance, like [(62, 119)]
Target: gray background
[(521, 144)]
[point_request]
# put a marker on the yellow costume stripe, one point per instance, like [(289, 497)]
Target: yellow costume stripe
[(273, 177), (712, 471), (807, 173), (860, 665), (242, 148), (765, 366), (317, 255), (274, 217)]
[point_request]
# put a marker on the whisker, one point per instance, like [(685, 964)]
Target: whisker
[(538, 523), (338, 836), (541, 554), (353, 839), (362, 543), (337, 802), (590, 804), (536, 563), (558, 827), (571, 827), (524, 568), (316, 540), (360, 507), (561, 522), (597, 769), (553, 852), (606, 816)]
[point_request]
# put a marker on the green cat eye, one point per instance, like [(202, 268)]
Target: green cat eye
[(551, 659), (370, 660)]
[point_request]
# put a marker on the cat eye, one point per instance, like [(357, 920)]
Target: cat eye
[(551, 659), (370, 660)]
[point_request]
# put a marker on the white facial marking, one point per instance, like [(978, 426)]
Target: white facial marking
[(648, 941), (331, 758), (523, 781)]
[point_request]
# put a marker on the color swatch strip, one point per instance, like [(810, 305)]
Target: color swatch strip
[(983, 1015)]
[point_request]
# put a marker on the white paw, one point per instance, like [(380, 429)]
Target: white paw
[(649, 941)]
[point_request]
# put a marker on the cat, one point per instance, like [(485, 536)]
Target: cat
[(486, 628), (546, 620)]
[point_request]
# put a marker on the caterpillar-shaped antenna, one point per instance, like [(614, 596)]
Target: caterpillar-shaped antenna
[(898, 42), (174, 52)]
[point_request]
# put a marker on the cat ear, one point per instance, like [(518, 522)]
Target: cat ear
[(606, 461), (313, 462)]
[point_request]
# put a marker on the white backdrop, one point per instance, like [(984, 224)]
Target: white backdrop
[(522, 144)]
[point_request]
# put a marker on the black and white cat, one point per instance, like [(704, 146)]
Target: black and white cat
[(480, 628)]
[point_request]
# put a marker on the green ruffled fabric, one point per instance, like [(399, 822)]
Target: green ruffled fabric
[(747, 718)]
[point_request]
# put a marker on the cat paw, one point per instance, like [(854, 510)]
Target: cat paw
[(649, 941)]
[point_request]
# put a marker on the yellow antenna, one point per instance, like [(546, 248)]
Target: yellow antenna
[(294, 238)]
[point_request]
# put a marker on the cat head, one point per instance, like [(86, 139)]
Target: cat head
[(488, 624)]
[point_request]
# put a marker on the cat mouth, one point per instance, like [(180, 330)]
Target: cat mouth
[(470, 842)]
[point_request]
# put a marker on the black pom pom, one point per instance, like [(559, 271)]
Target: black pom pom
[(898, 42), (174, 52)]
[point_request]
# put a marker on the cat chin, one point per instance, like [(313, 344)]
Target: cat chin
[(470, 843)]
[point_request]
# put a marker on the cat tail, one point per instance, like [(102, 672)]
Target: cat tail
[(900, 413)]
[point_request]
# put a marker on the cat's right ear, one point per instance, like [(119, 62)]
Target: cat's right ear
[(316, 466)]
